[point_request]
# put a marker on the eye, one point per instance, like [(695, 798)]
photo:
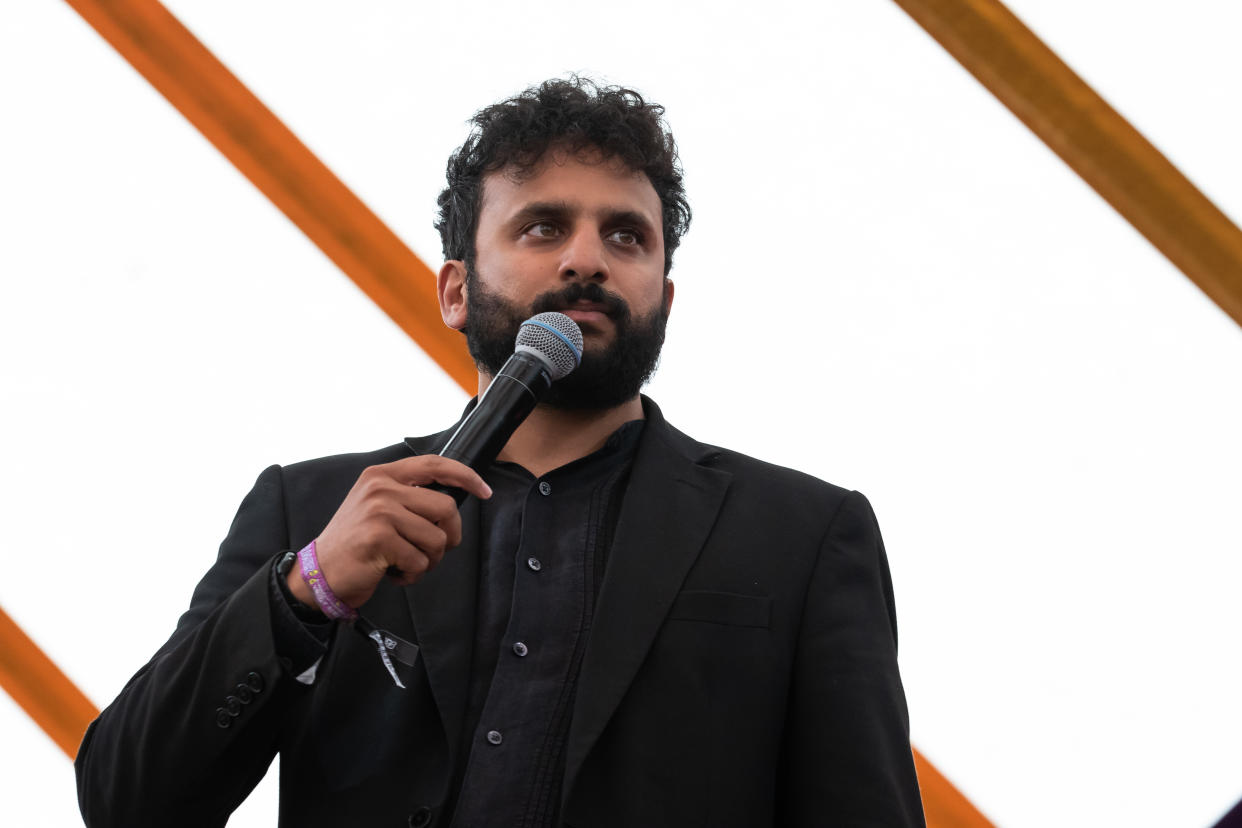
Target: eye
[(541, 230), (626, 236)]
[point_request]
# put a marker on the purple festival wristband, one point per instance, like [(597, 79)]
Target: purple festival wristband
[(331, 606)]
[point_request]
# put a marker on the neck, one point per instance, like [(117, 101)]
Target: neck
[(551, 437)]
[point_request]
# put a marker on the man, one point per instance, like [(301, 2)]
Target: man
[(619, 627)]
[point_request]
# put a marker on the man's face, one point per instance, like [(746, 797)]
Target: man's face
[(580, 236)]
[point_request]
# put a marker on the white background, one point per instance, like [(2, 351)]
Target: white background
[(927, 306)]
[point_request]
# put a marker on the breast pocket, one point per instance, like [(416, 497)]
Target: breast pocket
[(722, 608)]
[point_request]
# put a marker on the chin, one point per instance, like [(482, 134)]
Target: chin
[(595, 340)]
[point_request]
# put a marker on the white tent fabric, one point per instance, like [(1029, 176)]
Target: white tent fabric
[(1042, 410)]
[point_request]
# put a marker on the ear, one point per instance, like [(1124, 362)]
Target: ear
[(668, 296), (451, 290)]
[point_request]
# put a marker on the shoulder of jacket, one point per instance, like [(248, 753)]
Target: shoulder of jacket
[(761, 472), (744, 468)]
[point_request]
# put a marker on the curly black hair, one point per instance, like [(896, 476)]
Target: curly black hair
[(576, 114)]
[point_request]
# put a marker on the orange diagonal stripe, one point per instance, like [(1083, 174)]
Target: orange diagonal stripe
[(210, 97), (943, 804), (41, 689), (1090, 136)]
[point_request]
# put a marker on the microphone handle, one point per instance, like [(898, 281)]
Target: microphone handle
[(507, 402), (513, 394)]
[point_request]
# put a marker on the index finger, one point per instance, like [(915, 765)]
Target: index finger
[(432, 468)]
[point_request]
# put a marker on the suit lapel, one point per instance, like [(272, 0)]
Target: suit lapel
[(442, 606), (670, 506)]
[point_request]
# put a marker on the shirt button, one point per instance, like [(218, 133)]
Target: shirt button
[(519, 648), (545, 488), (494, 737), (534, 564)]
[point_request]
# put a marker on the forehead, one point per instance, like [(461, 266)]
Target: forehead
[(584, 182)]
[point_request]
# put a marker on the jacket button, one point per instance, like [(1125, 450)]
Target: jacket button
[(494, 737), (232, 705), (420, 818), (519, 649), (255, 682), (244, 694), (223, 719)]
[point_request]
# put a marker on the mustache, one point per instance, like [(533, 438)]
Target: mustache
[(571, 294)]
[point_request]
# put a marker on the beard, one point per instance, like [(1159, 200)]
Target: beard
[(605, 378)]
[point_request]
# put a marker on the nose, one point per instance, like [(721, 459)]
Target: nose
[(584, 257)]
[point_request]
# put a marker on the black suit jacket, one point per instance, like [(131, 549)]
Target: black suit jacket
[(741, 668)]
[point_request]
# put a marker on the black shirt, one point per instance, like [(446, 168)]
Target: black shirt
[(545, 546)]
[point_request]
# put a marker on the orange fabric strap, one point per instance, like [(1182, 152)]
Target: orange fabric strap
[(1089, 135), (943, 804), (41, 689), (271, 156)]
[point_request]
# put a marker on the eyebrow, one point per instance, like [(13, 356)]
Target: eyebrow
[(563, 211)]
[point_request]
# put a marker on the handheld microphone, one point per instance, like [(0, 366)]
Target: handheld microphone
[(549, 346)]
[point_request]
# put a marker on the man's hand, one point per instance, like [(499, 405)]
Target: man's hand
[(389, 520)]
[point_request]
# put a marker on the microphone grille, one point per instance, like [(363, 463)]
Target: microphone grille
[(555, 338)]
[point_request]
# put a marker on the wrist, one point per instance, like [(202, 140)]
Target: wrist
[(313, 581), (298, 588)]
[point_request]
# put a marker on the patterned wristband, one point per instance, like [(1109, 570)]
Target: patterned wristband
[(332, 606)]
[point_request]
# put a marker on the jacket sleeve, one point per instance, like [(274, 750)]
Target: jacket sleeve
[(847, 756), (196, 729)]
